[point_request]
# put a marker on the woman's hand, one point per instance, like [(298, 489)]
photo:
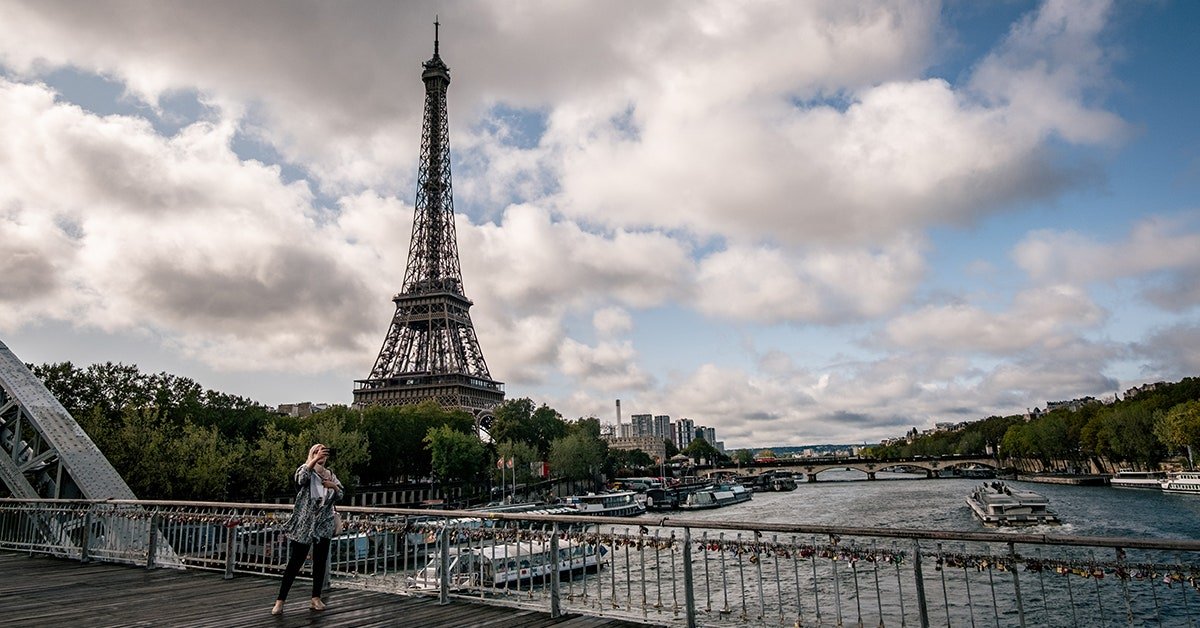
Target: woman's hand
[(329, 483)]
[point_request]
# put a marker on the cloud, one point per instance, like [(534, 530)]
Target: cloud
[(174, 235), (827, 285), (1163, 252), (1040, 318), (1170, 352), (612, 321)]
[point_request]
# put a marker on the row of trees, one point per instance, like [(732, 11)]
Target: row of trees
[(1144, 430), (172, 439)]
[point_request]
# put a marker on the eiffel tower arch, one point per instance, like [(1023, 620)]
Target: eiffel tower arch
[(431, 351)]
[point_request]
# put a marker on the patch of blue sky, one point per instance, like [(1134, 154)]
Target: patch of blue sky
[(521, 128), (104, 96), (625, 125), (248, 146), (971, 31), (839, 101)]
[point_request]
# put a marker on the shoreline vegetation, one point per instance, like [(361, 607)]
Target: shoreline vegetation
[(1154, 429)]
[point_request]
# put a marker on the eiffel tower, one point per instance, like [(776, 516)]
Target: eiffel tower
[(431, 351)]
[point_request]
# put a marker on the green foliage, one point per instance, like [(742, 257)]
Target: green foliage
[(627, 462), (672, 450), (743, 456), (577, 456), (518, 420), (1178, 428), (1135, 430), (522, 454), (457, 456), (702, 449), (766, 453)]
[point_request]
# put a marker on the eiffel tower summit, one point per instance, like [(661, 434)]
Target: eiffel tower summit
[(431, 351)]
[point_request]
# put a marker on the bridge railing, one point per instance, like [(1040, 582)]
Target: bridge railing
[(660, 570)]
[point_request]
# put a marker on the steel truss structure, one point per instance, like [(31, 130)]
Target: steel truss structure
[(43, 451), (431, 351)]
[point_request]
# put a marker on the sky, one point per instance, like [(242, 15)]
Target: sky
[(795, 222)]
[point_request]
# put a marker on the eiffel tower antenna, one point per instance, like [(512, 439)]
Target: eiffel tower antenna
[(431, 351)]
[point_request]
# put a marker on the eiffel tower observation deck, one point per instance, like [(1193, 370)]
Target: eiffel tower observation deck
[(431, 351)]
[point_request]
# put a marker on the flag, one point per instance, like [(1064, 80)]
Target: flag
[(510, 463), (500, 463)]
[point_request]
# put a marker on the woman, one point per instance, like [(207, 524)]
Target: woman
[(311, 524)]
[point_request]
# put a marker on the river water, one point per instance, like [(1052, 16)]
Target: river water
[(960, 594), (899, 500)]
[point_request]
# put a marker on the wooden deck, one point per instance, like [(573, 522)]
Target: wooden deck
[(55, 593)]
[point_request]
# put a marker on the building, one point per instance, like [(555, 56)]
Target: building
[(641, 425), (684, 433), (302, 409), (653, 445), (662, 426)]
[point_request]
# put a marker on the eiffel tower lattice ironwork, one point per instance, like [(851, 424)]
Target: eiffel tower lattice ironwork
[(431, 351)]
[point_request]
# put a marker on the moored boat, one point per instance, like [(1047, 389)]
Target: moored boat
[(1125, 478), (998, 504), (614, 504), (1182, 482), (506, 564), (716, 496)]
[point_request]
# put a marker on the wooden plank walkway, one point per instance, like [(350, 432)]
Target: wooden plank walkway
[(49, 592)]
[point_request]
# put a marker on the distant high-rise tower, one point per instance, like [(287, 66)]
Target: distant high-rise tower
[(431, 351)]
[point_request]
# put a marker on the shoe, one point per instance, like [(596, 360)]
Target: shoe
[(277, 609), (317, 605)]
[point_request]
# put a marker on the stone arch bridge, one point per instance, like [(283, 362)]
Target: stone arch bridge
[(811, 467)]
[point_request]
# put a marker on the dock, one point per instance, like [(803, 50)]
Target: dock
[(43, 591)]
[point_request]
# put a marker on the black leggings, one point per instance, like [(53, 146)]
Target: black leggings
[(297, 552)]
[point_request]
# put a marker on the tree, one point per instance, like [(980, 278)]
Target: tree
[(702, 449), (456, 456), (577, 456), (743, 456), (522, 454), (396, 439), (519, 421), (1179, 427), (672, 450), (766, 453)]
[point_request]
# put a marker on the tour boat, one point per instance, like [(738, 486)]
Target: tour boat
[(999, 504), (1182, 482), (716, 496), (509, 564), (614, 504), (1138, 479)]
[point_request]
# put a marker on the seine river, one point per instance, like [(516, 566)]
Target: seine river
[(899, 500)]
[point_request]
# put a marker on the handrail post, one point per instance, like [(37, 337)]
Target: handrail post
[(230, 550), (920, 584), (152, 544), (689, 596), (1012, 553), (87, 535), (444, 580), (555, 564)]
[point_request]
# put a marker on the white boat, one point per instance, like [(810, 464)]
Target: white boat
[(614, 504), (998, 504), (509, 564), (716, 496), (1182, 482), (1125, 478)]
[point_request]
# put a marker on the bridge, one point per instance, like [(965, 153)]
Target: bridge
[(662, 570), (812, 467)]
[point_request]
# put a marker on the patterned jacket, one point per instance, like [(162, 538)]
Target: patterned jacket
[(311, 519)]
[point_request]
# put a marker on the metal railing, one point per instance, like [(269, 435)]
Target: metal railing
[(665, 571)]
